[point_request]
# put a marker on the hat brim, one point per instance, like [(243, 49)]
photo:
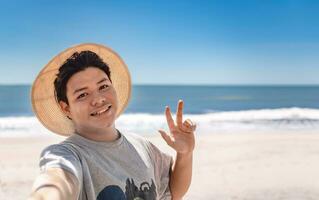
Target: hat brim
[(43, 100)]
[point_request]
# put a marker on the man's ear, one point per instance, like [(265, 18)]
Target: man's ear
[(65, 108)]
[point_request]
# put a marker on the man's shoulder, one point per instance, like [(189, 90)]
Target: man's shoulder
[(63, 149)]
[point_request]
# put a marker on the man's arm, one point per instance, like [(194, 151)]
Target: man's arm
[(56, 184), (181, 175), (182, 140)]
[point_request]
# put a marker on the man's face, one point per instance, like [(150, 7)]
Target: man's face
[(92, 101)]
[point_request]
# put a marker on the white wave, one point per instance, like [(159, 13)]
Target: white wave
[(21, 127), (144, 123), (264, 119), (266, 114)]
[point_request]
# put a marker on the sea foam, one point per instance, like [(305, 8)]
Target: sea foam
[(213, 122)]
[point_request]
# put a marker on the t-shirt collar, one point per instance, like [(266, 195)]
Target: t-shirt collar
[(85, 141)]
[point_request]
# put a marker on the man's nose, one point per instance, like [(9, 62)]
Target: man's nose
[(98, 100)]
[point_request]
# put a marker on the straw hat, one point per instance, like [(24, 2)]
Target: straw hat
[(44, 103)]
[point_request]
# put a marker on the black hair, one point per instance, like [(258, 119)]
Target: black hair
[(76, 63)]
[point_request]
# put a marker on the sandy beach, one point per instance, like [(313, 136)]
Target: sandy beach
[(248, 166)]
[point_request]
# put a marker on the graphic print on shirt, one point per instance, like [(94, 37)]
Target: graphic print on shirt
[(132, 192)]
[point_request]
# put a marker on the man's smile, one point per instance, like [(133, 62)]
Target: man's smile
[(102, 111)]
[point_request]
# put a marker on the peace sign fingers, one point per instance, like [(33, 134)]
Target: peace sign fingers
[(186, 127)]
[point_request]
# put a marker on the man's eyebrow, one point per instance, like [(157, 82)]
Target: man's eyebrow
[(84, 88), (104, 79), (80, 89)]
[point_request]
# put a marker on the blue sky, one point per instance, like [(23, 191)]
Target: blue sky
[(169, 42)]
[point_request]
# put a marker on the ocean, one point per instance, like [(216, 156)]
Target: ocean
[(215, 109)]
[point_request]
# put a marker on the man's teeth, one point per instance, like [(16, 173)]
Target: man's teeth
[(102, 111)]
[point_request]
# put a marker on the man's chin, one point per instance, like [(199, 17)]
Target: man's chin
[(103, 124)]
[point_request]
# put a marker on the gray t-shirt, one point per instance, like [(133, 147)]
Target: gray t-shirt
[(129, 168)]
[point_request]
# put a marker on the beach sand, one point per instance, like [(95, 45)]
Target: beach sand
[(250, 166)]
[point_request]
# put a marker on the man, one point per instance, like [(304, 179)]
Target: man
[(79, 94)]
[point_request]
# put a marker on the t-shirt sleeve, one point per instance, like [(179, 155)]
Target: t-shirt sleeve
[(60, 156), (162, 168)]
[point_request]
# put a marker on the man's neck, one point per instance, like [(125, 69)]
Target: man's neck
[(105, 135)]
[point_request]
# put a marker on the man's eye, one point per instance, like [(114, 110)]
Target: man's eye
[(82, 95), (104, 87)]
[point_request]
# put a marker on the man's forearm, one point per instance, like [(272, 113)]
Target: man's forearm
[(181, 175), (55, 184)]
